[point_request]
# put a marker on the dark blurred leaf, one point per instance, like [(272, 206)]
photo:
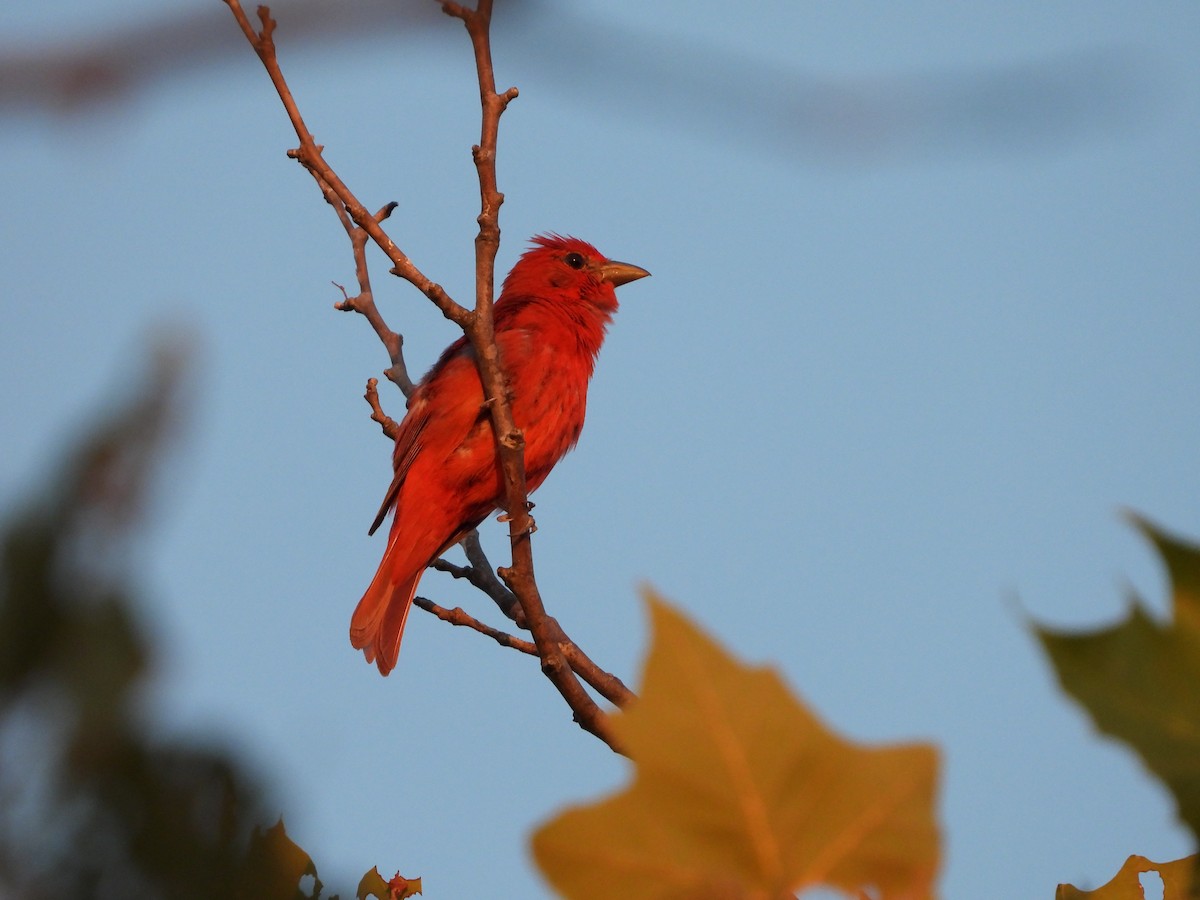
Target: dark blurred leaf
[(90, 804), (1140, 680), (275, 865), (111, 813)]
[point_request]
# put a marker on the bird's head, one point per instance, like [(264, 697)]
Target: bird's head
[(557, 266)]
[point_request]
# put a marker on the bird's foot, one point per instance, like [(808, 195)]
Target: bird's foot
[(505, 517)]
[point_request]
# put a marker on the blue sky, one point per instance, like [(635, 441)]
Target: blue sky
[(923, 320)]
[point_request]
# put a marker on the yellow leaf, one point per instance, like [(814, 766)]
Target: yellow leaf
[(1138, 679), (1176, 876), (740, 792), (372, 885)]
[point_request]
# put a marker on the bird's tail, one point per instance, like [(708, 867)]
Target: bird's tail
[(378, 621)]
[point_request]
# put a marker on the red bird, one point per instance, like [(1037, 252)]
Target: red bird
[(551, 317)]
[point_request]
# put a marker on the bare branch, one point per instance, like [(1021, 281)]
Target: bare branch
[(364, 301), (459, 616), (510, 442), (354, 218), (481, 574), (391, 428), (494, 587), (607, 685), (309, 155)]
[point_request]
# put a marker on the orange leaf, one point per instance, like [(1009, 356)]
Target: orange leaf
[(739, 791), (398, 888)]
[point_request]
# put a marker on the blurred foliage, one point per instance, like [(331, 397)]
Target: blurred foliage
[(1126, 885), (1140, 679), (90, 804), (739, 792)]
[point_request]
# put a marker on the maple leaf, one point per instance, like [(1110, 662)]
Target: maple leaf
[(1137, 680), (1176, 876), (740, 791)]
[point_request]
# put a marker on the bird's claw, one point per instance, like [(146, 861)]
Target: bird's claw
[(505, 517)]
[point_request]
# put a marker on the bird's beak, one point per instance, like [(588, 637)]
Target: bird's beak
[(619, 273)]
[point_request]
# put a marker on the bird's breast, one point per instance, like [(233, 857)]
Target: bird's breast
[(549, 403)]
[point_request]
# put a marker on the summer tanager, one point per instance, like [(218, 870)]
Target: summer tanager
[(550, 321)]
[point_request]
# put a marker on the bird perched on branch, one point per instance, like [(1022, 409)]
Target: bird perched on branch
[(550, 320)]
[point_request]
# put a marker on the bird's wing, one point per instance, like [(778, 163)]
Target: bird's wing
[(408, 447), (441, 413)]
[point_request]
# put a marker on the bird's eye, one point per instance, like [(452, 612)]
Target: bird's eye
[(574, 260)]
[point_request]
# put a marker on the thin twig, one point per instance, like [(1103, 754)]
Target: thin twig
[(482, 578), (481, 575), (459, 616), (391, 428), (364, 301), (608, 686), (359, 224), (309, 155)]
